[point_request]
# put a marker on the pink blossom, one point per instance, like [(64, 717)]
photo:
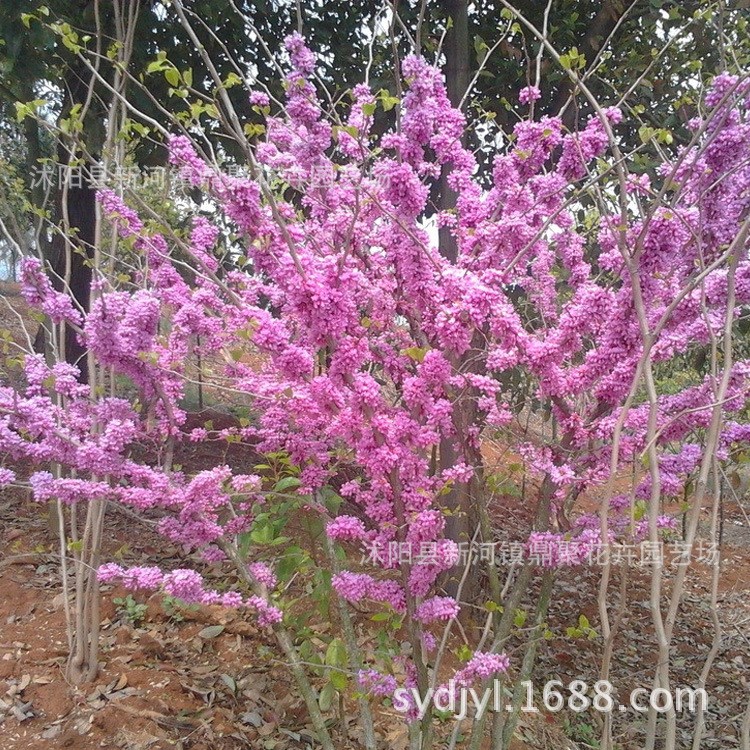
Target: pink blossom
[(376, 683), (259, 99), (262, 573), (437, 608), (482, 666), (7, 476), (346, 527), (529, 94)]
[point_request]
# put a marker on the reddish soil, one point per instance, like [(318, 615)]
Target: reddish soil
[(162, 684), (576, 592)]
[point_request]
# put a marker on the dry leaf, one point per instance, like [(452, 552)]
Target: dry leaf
[(212, 631), (398, 737)]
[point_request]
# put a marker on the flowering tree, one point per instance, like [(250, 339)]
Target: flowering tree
[(573, 282)]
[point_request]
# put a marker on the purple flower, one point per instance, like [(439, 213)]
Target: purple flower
[(529, 94)]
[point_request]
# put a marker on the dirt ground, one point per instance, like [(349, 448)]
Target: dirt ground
[(173, 680), (165, 681)]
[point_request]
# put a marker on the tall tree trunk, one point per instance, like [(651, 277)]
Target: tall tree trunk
[(70, 256), (75, 202), (457, 72), (462, 518)]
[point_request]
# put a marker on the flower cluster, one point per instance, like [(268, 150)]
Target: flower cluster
[(482, 666), (38, 292), (386, 352), (189, 587)]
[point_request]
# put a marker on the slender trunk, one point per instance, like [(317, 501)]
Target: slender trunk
[(460, 518), (502, 741), (354, 654)]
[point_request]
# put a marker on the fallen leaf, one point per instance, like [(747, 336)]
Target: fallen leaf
[(265, 730), (212, 631), (251, 717), (398, 737)]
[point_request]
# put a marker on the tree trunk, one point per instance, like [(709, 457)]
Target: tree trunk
[(69, 252), (77, 249), (457, 72), (462, 517)]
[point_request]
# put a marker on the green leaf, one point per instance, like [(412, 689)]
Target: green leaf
[(336, 653), (481, 48), (232, 80), (646, 133), (28, 109), (331, 499), (327, 694), (387, 100), (252, 129), (417, 353), (293, 561), (113, 49), (664, 136), (339, 680), (173, 76), (262, 535), (287, 483), (639, 511), (70, 41)]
